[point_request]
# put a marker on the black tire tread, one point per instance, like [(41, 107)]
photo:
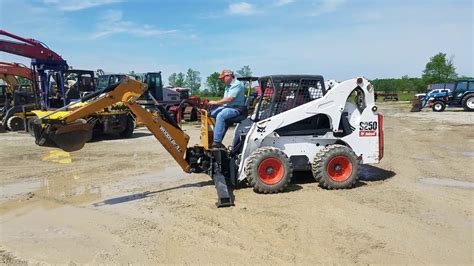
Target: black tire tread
[(15, 123), (320, 160), (442, 108), (253, 180), (464, 102), (128, 132)]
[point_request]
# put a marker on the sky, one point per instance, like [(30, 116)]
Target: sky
[(338, 39)]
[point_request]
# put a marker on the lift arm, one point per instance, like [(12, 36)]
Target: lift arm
[(70, 131)]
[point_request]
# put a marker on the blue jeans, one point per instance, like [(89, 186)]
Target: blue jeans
[(221, 114)]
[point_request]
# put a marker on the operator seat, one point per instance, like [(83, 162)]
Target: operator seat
[(235, 120)]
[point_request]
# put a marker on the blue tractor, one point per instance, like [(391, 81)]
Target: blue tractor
[(462, 95)]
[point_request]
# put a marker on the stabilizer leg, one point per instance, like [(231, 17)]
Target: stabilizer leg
[(224, 197)]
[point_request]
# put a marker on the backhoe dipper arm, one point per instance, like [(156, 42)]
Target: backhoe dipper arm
[(55, 127)]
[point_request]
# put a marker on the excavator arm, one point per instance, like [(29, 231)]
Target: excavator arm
[(8, 71), (30, 48), (16, 70), (44, 61), (69, 131)]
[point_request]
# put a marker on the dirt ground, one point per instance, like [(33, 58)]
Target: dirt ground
[(127, 201)]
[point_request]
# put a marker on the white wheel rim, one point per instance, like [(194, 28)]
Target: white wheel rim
[(438, 106), (470, 103)]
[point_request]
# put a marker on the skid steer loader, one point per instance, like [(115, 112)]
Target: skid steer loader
[(300, 127)]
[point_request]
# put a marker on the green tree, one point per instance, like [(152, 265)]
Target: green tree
[(245, 71), (216, 86), (177, 80), (439, 69), (205, 93), (193, 81)]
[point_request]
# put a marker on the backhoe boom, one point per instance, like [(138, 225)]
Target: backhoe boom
[(71, 131)]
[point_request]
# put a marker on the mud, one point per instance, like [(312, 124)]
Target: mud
[(127, 201)]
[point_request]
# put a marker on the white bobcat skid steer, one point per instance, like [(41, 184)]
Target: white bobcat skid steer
[(298, 125)]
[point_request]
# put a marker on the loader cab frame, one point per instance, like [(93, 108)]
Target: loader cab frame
[(104, 81), (285, 92)]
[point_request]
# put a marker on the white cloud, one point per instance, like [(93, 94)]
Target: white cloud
[(76, 5), (283, 2), (242, 8), (112, 23), (328, 6)]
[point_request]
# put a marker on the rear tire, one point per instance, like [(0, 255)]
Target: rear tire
[(128, 132), (336, 167), (15, 123), (468, 102), (268, 170), (29, 124), (438, 106)]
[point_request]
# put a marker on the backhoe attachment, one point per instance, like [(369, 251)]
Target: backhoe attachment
[(67, 129), (70, 127)]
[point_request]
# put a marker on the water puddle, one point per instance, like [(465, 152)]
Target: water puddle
[(15, 190), (72, 190), (446, 182), (77, 189)]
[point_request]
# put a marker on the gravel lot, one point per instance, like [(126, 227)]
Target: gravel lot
[(127, 201)]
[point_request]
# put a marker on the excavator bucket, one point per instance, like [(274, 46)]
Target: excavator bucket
[(71, 137), (417, 105)]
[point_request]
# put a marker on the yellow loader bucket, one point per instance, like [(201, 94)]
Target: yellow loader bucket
[(70, 137)]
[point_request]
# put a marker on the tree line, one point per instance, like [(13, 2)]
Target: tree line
[(192, 80), (439, 69)]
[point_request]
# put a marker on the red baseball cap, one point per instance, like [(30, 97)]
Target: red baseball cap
[(225, 72)]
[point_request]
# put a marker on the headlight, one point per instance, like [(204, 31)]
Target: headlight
[(370, 88)]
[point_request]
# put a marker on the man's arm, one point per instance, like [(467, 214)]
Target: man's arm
[(222, 101), (233, 92)]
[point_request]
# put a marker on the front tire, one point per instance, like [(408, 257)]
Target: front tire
[(336, 167), (268, 170), (15, 123), (468, 102), (438, 106)]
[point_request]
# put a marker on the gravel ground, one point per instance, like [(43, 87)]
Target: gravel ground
[(127, 201)]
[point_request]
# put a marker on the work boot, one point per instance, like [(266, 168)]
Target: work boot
[(217, 145)]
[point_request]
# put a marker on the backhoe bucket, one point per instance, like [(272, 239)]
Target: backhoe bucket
[(71, 137), (417, 105)]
